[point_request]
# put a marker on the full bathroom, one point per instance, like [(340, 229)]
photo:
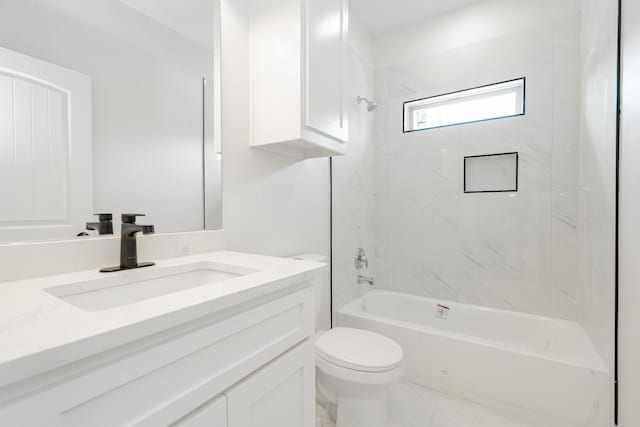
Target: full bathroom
[(319, 213)]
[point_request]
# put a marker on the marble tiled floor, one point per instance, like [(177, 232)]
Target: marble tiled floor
[(415, 406), (412, 405)]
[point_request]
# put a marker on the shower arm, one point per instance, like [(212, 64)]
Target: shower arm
[(371, 105)]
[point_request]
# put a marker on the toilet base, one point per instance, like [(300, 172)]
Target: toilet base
[(361, 412)]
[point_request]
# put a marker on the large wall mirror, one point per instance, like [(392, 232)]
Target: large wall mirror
[(107, 106)]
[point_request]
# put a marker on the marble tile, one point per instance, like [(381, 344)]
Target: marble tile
[(489, 249), (565, 173), (565, 211), (567, 33), (566, 125), (566, 72), (597, 166), (411, 405), (354, 181), (528, 135), (565, 306), (323, 419), (454, 413), (565, 263)]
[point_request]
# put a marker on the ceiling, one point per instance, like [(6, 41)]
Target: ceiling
[(382, 16), (194, 22), (379, 16)]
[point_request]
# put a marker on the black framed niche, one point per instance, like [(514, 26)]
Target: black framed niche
[(491, 173)]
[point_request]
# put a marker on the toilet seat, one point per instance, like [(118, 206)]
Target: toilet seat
[(358, 350)]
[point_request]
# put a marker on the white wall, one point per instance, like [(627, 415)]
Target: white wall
[(508, 250), (61, 257), (147, 101), (273, 204), (280, 206), (629, 213), (353, 175)]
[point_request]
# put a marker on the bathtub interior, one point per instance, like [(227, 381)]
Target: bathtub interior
[(558, 339)]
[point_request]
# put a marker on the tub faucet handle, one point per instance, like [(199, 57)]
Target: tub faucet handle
[(361, 260)]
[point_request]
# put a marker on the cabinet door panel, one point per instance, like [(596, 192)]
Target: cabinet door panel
[(326, 62), (281, 394), (213, 414)]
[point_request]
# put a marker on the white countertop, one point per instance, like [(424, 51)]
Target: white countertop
[(40, 332)]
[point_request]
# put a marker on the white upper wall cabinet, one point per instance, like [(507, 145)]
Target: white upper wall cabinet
[(298, 75)]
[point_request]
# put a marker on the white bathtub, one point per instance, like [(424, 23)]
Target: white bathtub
[(541, 365)]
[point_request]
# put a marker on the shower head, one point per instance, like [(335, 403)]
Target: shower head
[(371, 105)]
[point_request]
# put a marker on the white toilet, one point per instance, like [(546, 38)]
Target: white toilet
[(354, 368)]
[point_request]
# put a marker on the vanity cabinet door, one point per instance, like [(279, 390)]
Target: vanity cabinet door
[(281, 394), (213, 414)]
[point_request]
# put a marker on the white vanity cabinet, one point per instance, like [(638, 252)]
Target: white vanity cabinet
[(279, 395), (298, 71), (251, 362)]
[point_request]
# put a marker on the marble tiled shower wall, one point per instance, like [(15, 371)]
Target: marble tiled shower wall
[(598, 171), (515, 251), (353, 175)]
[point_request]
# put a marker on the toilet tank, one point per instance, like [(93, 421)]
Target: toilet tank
[(322, 286)]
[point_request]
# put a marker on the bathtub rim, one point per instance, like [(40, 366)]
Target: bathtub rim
[(354, 308)]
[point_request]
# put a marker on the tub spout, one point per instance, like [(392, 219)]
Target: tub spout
[(365, 279)]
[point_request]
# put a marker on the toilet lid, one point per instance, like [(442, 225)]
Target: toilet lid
[(359, 350)]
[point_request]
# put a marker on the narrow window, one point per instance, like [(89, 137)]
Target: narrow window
[(489, 102)]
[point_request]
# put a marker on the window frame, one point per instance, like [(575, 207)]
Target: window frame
[(406, 107)]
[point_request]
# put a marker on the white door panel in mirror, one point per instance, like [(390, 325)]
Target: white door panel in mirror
[(45, 191)]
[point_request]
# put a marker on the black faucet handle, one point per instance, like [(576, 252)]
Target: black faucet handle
[(130, 218), (104, 224), (104, 217)]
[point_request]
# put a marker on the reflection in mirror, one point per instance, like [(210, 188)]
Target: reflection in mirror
[(107, 107)]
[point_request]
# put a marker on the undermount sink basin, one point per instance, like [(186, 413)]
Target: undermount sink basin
[(138, 285)]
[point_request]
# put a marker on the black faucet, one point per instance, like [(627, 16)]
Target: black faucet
[(128, 246), (103, 226)]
